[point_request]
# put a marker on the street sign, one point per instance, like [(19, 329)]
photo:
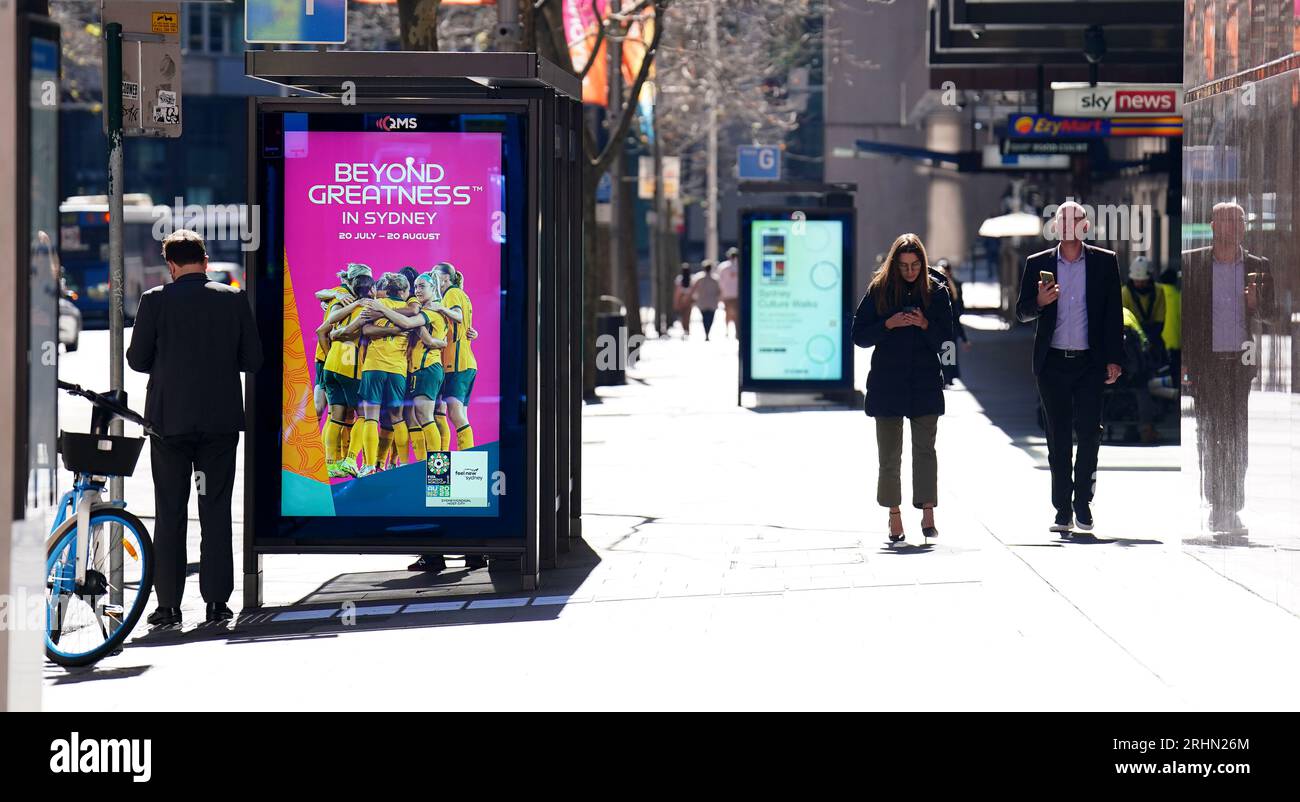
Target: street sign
[(672, 168), (300, 22), (151, 67), (758, 162), (1049, 126), (645, 178), (994, 159), (1117, 100), (1044, 147)]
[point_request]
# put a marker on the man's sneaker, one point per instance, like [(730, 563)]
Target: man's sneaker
[(428, 562), (1083, 516), (1064, 522)]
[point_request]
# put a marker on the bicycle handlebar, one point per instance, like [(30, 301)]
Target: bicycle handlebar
[(107, 403)]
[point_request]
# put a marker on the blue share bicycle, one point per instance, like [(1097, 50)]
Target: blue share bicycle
[(95, 594)]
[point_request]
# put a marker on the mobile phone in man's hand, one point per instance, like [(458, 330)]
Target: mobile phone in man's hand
[(1046, 276)]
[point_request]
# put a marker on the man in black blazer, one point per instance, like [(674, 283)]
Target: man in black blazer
[(1227, 294), (1078, 348), (193, 337)]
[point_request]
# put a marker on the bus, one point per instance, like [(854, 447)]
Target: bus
[(83, 250)]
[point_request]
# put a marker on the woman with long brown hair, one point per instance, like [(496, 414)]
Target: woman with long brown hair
[(906, 317)]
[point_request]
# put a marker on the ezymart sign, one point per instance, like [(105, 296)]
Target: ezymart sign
[(1117, 100)]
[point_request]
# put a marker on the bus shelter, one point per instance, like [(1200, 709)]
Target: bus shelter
[(462, 170)]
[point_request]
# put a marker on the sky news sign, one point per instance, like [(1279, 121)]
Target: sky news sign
[(1117, 100)]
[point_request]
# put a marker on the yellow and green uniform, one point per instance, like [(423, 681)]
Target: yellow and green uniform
[(384, 365), (426, 363), (342, 366), (1172, 333), (458, 357), (321, 353)]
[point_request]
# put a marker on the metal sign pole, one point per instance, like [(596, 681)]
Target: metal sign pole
[(116, 274)]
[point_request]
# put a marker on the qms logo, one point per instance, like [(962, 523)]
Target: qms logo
[(390, 123)]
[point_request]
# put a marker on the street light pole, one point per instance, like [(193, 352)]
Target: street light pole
[(616, 167), (659, 262), (116, 272), (711, 217)]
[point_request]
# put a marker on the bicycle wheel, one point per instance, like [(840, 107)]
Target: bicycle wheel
[(82, 625)]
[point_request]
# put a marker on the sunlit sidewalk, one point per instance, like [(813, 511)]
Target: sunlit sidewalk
[(738, 560)]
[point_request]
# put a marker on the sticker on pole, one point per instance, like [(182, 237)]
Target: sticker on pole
[(164, 22), (299, 22), (165, 110)]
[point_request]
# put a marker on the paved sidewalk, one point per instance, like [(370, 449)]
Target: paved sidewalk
[(737, 559)]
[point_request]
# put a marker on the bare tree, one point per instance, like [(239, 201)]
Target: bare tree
[(548, 31)]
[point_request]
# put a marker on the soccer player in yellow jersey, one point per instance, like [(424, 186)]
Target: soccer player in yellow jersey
[(428, 338), (458, 361), (390, 430), (342, 294), (342, 371), (383, 370)]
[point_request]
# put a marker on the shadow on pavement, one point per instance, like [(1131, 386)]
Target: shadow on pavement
[(67, 676), (391, 600), (998, 372), (1083, 539)]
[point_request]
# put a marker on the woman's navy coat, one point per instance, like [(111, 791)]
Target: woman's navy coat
[(906, 380)]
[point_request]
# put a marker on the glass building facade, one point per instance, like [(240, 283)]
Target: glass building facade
[(1241, 277)]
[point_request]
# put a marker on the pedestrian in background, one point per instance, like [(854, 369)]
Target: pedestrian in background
[(193, 337), (1144, 299), (706, 293), (682, 298), (907, 317), (1172, 334), (729, 281), (1073, 292)]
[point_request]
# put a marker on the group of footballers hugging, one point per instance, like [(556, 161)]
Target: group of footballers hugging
[(393, 362)]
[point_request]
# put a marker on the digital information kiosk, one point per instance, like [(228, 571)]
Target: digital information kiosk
[(796, 313)]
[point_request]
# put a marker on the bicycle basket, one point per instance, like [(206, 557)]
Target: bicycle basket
[(100, 455)]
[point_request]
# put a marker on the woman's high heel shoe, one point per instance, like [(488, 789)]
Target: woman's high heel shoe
[(929, 531), (894, 538)]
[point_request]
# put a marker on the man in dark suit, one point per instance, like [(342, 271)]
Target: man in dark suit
[(193, 337), (1078, 348), (1227, 293)]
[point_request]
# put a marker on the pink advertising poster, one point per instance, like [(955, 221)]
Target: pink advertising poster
[(392, 322)]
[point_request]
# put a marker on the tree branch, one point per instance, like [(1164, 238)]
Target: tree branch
[(600, 37), (614, 145)]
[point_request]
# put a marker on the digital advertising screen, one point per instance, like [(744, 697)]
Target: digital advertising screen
[(795, 286), (398, 263)]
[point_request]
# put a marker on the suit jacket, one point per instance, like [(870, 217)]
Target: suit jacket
[(1105, 307), (193, 337), (1198, 305)]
